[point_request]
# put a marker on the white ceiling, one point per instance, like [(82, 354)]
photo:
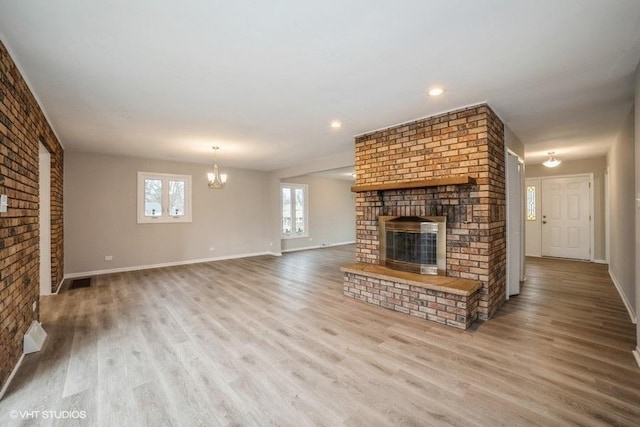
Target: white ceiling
[(262, 80), (345, 174)]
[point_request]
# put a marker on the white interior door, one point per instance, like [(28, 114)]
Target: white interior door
[(45, 220), (514, 223), (565, 208)]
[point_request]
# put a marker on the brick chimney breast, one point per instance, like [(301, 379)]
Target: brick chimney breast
[(465, 142)]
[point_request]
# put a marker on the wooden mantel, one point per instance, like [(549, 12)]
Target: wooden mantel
[(433, 182)]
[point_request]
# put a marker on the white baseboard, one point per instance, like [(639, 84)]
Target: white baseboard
[(164, 264), (275, 253), (306, 248), (636, 354), (627, 304), (13, 374), (593, 260), (59, 286)]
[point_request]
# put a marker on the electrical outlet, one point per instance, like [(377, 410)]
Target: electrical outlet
[(108, 257), (212, 249), (34, 306), (4, 203)]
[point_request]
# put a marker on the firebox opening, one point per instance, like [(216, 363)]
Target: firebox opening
[(413, 243)]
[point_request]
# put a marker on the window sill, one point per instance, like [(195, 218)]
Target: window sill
[(164, 220), (294, 236)]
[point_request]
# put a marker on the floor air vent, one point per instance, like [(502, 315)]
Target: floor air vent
[(80, 283)]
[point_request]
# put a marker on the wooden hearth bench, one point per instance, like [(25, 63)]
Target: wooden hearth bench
[(447, 300)]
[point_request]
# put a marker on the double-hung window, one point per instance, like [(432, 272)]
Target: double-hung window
[(163, 198), (295, 212)]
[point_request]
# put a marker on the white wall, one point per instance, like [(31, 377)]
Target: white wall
[(596, 166), (100, 215), (637, 190), (513, 142), (620, 160), (332, 213), (281, 175)]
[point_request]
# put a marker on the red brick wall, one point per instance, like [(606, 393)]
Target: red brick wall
[(22, 127), (464, 142)]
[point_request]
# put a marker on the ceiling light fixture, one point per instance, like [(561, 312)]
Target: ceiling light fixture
[(551, 162), (216, 179), (436, 91), (336, 124)]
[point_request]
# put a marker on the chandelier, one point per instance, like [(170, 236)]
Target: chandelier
[(551, 162), (216, 179)]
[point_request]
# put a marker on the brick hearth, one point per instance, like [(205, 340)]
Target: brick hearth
[(447, 300)]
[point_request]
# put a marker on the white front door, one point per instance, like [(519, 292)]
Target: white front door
[(565, 208)]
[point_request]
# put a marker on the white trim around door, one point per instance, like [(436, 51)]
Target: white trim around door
[(44, 198)]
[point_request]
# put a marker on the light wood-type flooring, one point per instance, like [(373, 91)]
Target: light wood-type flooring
[(272, 341)]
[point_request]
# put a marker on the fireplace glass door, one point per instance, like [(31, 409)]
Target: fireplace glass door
[(414, 244)]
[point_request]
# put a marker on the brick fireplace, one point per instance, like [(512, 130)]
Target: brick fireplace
[(449, 165)]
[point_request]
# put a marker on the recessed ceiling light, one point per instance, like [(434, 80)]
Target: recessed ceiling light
[(336, 124), (436, 91)]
